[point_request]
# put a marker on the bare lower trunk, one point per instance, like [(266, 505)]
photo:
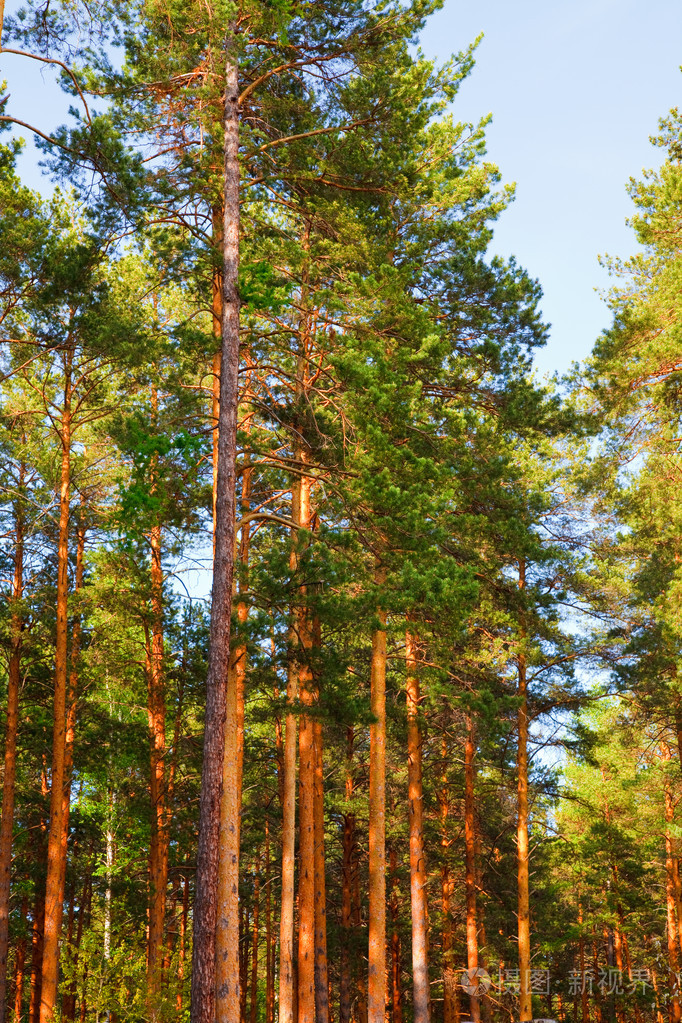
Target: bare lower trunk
[(269, 944), (420, 968), (449, 979), (19, 965), (55, 867), (673, 956), (36, 959), (71, 713), (306, 879), (156, 715), (321, 970), (376, 985), (206, 901), (228, 996), (286, 932), (347, 852), (244, 917), (396, 986), (9, 780), (525, 1006), (254, 944), (470, 869), (581, 959), (182, 942)]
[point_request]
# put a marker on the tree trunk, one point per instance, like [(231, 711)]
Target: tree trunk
[(581, 957), (306, 877), (244, 917), (156, 716), (321, 969), (449, 979), (673, 957), (396, 986), (182, 941), (55, 867), (286, 931), (19, 965), (254, 944), (217, 310), (269, 944), (208, 853), (470, 865), (420, 968), (348, 847), (10, 775), (525, 1000), (71, 711), (376, 982), (36, 958), (228, 997), (360, 977)]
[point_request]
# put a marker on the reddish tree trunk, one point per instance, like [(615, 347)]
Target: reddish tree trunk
[(420, 967), (286, 933), (36, 959), (396, 986), (72, 709), (673, 956), (9, 779), (321, 970), (19, 965), (525, 1001), (182, 942), (348, 847), (269, 935), (156, 716), (470, 864), (376, 985), (255, 941), (228, 997), (449, 979), (55, 866), (208, 853)]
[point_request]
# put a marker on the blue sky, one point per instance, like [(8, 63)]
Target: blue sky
[(576, 88)]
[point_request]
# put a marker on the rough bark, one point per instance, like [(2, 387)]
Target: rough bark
[(286, 930), (70, 732), (470, 864), (20, 964), (525, 1006), (228, 994), (156, 716), (420, 968), (36, 958), (254, 943), (182, 943), (244, 917), (347, 852), (53, 888), (206, 900), (581, 959), (449, 978), (673, 955), (396, 986), (376, 977), (12, 723), (269, 943), (306, 877), (321, 968)]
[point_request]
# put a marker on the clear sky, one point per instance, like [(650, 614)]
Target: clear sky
[(576, 88)]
